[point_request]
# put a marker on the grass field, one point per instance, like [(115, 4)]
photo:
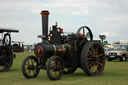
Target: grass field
[(115, 73)]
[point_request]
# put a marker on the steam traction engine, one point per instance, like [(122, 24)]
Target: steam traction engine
[(61, 53), (6, 54)]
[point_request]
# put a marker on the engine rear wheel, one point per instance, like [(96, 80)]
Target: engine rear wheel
[(92, 59), (30, 67), (54, 68), (6, 58)]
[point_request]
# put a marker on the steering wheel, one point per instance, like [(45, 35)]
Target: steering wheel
[(84, 34), (7, 39)]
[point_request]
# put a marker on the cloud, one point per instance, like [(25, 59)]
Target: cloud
[(115, 18), (66, 7), (104, 16), (80, 13), (69, 7)]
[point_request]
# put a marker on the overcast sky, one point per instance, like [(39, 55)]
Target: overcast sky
[(108, 17)]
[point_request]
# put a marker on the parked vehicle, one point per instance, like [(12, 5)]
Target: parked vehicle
[(106, 50), (119, 52)]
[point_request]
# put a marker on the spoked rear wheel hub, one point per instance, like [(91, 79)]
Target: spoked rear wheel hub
[(95, 59)]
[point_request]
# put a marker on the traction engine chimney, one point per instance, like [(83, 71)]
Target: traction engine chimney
[(44, 15)]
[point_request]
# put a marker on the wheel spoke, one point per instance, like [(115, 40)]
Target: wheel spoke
[(33, 72), (32, 61), (93, 51), (94, 68), (90, 64), (26, 64), (89, 58), (29, 71), (99, 63), (99, 55), (96, 50), (90, 53)]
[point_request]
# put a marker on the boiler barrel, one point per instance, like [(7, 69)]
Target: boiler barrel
[(43, 50)]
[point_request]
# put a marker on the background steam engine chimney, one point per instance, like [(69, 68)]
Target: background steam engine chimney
[(44, 23)]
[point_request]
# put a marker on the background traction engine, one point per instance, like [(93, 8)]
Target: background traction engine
[(62, 53), (6, 53)]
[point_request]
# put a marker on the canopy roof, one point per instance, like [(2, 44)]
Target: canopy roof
[(8, 30)]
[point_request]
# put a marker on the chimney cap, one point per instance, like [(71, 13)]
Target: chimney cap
[(44, 13)]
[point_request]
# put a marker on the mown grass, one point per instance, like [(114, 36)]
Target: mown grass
[(115, 73)]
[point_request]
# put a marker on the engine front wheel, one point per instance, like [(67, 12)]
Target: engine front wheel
[(30, 67), (54, 68)]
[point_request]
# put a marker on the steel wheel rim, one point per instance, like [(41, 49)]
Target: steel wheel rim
[(95, 59)]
